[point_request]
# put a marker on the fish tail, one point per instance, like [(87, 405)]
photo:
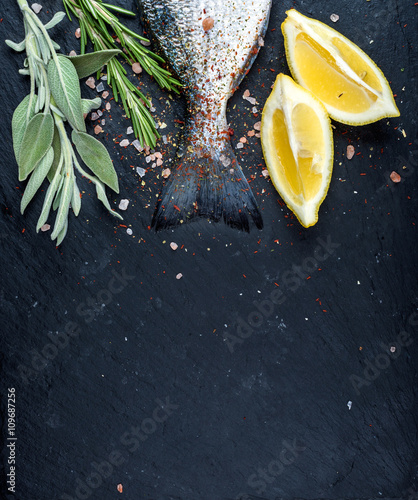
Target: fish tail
[(207, 183)]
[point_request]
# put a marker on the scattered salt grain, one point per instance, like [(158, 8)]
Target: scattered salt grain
[(141, 171), (129, 131), (173, 246), (260, 41), (72, 53), (392, 348), (145, 43), (246, 94), (99, 112), (251, 100), (104, 78), (159, 162), (395, 177), (36, 7), (98, 129), (124, 143), (45, 227), (77, 33), (254, 110), (258, 135), (225, 160), (179, 276), (240, 145), (257, 126), (243, 140), (350, 404), (136, 68), (108, 106), (129, 231), (165, 140), (120, 488), (94, 116), (350, 152), (105, 94), (91, 83), (265, 172), (100, 87), (334, 17), (137, 145), (123, 204), (103, 122), (251, 133), (166, 173)]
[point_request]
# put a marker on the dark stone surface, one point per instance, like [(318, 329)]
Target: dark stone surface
[(234, 409)]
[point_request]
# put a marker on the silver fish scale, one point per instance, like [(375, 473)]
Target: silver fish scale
[(209, 60)]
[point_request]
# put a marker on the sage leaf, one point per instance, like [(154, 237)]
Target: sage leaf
[(57, 199), (58, 17), (18, 47), (65, 89), (62, 234), (87, 64), (36, 141), (56, 146), (66, 195), (96, 157), (46, 207), (76, 200), (88, 104), (101, 195), (36, 179), (20, 120)]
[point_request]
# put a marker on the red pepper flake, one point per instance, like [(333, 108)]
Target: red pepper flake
[(23, 230), (120, 488), (244, 276), (177, 208)]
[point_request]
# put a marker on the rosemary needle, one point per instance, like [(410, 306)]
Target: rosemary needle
[(95, 19)]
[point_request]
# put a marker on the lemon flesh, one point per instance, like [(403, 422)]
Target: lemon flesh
[(296, 137), (340, 74)]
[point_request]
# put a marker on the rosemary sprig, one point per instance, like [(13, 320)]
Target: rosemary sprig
[(95, 19), (40, 141)]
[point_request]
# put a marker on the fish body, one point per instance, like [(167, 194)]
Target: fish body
[(210, 45)]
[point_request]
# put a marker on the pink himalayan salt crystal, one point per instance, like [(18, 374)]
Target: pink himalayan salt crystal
[(350, 152), (395, 177), (136, 68), (91, 83)]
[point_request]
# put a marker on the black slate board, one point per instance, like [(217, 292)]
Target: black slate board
[(153, 387)]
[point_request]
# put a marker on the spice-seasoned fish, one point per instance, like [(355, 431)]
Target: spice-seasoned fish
[(210, 45)]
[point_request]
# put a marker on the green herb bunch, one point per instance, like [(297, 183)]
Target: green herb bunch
[(95, 19), (41, 145)]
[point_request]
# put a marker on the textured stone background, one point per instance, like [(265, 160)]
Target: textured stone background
[(155, 388)]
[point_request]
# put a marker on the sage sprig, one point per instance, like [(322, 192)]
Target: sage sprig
[(41, 144), (95, 19)]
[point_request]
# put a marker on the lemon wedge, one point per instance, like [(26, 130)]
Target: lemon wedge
[(296, 138), (349, 84)]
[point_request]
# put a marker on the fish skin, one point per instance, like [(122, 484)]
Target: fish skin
[(207, 180)]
